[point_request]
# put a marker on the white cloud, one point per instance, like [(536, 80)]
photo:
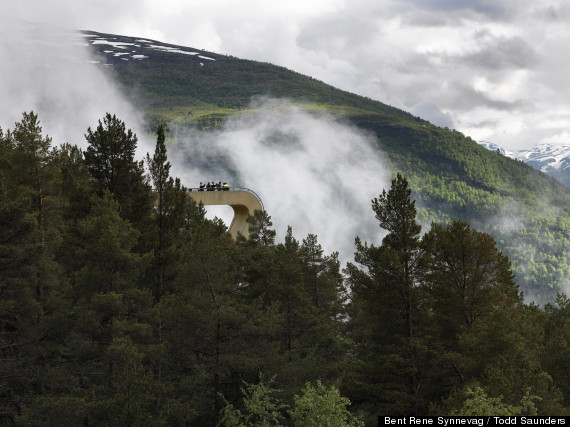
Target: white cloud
[(311, 172), (47, 70), (558, 139), (496, 62)]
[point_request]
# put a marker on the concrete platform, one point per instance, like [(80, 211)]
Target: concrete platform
[(242, 200)]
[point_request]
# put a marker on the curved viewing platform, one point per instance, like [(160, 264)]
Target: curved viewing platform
[(242, 200)]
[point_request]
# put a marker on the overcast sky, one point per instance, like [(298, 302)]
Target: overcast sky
[(495, 70)]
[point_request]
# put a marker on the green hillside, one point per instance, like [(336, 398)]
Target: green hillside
[(451, 176), (174, 86), (121, 303)]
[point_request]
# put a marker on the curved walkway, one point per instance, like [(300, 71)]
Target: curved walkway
[(242, 200)]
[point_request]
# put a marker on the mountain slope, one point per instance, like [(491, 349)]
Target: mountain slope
[(552, 159), (177, 82), (452, 175)]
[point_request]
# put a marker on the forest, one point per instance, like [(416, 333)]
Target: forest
[(122, 304)]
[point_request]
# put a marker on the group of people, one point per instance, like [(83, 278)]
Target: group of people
[(212, 186)]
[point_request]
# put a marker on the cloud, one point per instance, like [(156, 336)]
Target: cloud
[(431, 112), (562, 138), (503, 53), (311, 172), (47, 69), (401, 52), (487, 9)]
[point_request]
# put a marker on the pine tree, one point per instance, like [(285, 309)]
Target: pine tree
[(34, 155), (163, 185), (402, 251), (260, 230), (557, 344), (110, 307), (282, 278), (110, 158), (468, 276), (203, 320), (19, 305), (31, 282), (390, 318), (468, 280)]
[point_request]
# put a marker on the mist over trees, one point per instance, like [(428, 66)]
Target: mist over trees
[(122, 304)]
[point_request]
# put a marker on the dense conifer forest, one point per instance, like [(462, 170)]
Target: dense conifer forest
[(122, 304)]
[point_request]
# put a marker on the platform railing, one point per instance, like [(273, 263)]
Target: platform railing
[(230, 189)]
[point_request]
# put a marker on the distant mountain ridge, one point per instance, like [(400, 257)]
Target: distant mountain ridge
[(552, 159)]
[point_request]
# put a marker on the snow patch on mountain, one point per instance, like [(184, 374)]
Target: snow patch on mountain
[(547, 157), (496, 148), (118, 45), (143, 47)]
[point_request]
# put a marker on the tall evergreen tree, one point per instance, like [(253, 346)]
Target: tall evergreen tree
[(389, 313), (469, 280), (19, 305), (468, 276), (557, 344), (34, 152), (159, 168), (110, 158), (401, 249), (35, 170), (31, 281)]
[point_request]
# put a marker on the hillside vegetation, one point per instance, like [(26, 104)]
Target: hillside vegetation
[(451, 176), (122, 304)]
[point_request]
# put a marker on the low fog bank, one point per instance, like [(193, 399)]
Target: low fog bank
[(538, 249), (49, 70), (310, 171)]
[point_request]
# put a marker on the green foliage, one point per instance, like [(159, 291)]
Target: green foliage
[(260, 407), (557, 344), (390, 310), (161, 318), (456, 318), (259, 228), (477, 403), (317, 406), (320, 406), (468, 276), (110, 154), (110, 160), (452, 177)]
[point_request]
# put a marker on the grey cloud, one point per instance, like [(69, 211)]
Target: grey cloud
[(501, 53), (554, 12), (329, 32), (424, 18), (431, 112), (489, 8), (465, 98), (491, 53)]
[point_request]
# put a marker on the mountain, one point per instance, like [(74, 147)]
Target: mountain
[(451, 175), (552, 159), (196, 87)]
